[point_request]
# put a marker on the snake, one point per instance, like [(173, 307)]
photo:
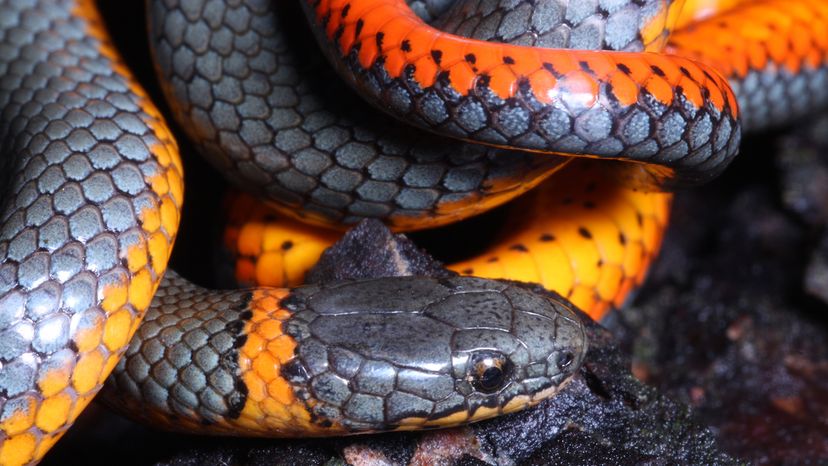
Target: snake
[(92, 187), (590, 240)]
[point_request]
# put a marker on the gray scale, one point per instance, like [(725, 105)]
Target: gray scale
[(429, 10), (560, 24), (369, 352), (773, 97), (183, 360), (369, 356), (71, 132), (300, 137)]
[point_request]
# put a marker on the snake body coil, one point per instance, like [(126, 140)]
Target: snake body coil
[(91, 187), (387, 354)]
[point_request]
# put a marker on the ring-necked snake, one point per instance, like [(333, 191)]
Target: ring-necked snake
[(92, 187)]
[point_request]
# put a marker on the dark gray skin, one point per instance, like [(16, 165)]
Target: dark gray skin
[(250, 89), (376, 353), (372, 355)]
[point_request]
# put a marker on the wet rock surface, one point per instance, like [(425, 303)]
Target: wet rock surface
[(732, 320), (369, 251)]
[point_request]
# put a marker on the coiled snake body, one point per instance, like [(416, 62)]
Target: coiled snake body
[(92, 187)]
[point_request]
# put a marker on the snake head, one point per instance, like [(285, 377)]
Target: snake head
[(413, 352), (532, 347)]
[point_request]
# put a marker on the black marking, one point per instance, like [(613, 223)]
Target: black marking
[(546, 237), (622, 238), (295, 371), (471, 58), (589, 205), (408, 72), (624, 68), (338, 33), (237, 399), (379, 37), (508, 60), (240, 341), (437, 56), (290, 302), (658, 71), (708, 75), (611, 93), (359, 25), (518, 247), (524, 87), (345, 10), (584, 232), (492, 259), (287, 245), (468, 271), (443, 78), (235, 327), (405, 46)]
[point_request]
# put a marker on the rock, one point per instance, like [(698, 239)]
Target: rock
[(816, 274), (603, 409), (603, 414), (802, 160), (370, 250), (724, 323)]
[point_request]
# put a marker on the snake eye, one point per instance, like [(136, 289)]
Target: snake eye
[(489, 371), (565, 360)]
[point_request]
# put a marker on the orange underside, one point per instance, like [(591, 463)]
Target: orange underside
[(407, 40), (582, 234), (596, 254), (62, 391)]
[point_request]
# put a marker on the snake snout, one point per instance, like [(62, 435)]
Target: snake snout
[(528, 348)]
